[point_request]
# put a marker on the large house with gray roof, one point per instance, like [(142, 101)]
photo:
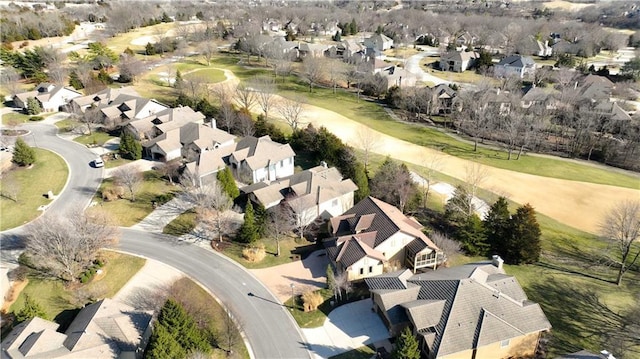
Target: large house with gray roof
[(473, 311), (515, 65), (51, 97), (375, 236), (319, 192), (261, 159), (105, 329), (100, 99)]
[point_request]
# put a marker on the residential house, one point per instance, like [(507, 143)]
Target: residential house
[(316, 192), (314, 50), (443, 99), (204, 170), (105, 329), (100, 99), (542, 98), (186, 141), (350, 50), (50, 97), (261, 159), (595, 87), (543, 49), (151, 126), (466, 39), (374, 236), (458, 61), (397, 76), (127, 107), (284, 48), (473, 311), (515, 65), (378, 42)]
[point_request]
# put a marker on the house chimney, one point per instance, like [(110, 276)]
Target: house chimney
[(497, 261), (323, 164), (213, 123)]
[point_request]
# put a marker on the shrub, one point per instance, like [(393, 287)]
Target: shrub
[(112, 193), (312, 300), (84, 279), (36, 118), (23, 155), (254, 254)]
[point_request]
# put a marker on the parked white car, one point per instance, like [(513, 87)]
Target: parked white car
[(98, 162)]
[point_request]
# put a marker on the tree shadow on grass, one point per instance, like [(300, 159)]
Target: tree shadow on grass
[(581, 320)]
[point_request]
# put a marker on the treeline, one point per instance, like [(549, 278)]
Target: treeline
[(31, 26)]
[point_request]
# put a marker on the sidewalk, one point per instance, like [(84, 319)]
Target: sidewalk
[(141, 289), (164, 214)]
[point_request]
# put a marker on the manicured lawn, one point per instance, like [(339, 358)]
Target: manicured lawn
[(120, 42), (96, 138), (210, 75), (126, 213), (310, 319), (181, 225), (111, 163), (233, 250), (14, 118), (66, 125), (50, 172), (61, 303), (365, 352)]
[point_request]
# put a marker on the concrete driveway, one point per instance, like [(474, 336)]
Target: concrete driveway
[(348, 327), (308, 274)]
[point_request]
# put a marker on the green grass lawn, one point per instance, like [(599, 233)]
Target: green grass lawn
[(209, 75), (181, 225), (96, 138), (66, 125), (50, 172), (14, 118), (365, 352), (233, 250), (126, 213), (111, 163), (61, 303)]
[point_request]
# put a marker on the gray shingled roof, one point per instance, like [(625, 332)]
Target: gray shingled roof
[(477, 304), (517, 61)]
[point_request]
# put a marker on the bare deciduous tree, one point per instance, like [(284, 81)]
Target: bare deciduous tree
[(292, 111), (265, 93), (450, 248), (301, 213), (245, 96), (475, 175), (313, 70), (209, 49), (341, 283), (621, 226), (227, 116), (368, 140), (10, 78), (65, 247), (90, 118), (129, 177), (245, 124), (279, 224), (230, 332), (432, 163), (170, 169), (211, 203)]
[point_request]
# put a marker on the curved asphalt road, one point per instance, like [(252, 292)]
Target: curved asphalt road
[(270, 330)]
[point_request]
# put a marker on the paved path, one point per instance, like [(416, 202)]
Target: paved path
[(347, 327), (139, 291), (161, 216)]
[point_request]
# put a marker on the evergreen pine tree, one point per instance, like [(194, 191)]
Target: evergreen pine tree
[(228, 183), (406, 346), (23, 155), (130, 147), (459, 208), (150, 49), (353, 27), (331, 278), (33, 106), (163, 345), (497, 227), (473, 237), (29, 310), (248, 232), (179, 82), (337, 36), (361, 180), (525, 237), (74, 81)]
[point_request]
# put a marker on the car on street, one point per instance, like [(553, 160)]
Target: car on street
[(98, 162)]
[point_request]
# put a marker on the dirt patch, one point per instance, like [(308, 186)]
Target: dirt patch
[(14, 293)]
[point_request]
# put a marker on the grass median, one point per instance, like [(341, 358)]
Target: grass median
[(30, 185)]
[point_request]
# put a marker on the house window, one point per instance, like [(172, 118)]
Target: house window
[(281, 164), (334, 203), (505, 343), (370, 269), (361, 271)]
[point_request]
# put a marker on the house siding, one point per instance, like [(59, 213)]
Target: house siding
[(393, 247), (353, 272), (521, 346), (344, 203)]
